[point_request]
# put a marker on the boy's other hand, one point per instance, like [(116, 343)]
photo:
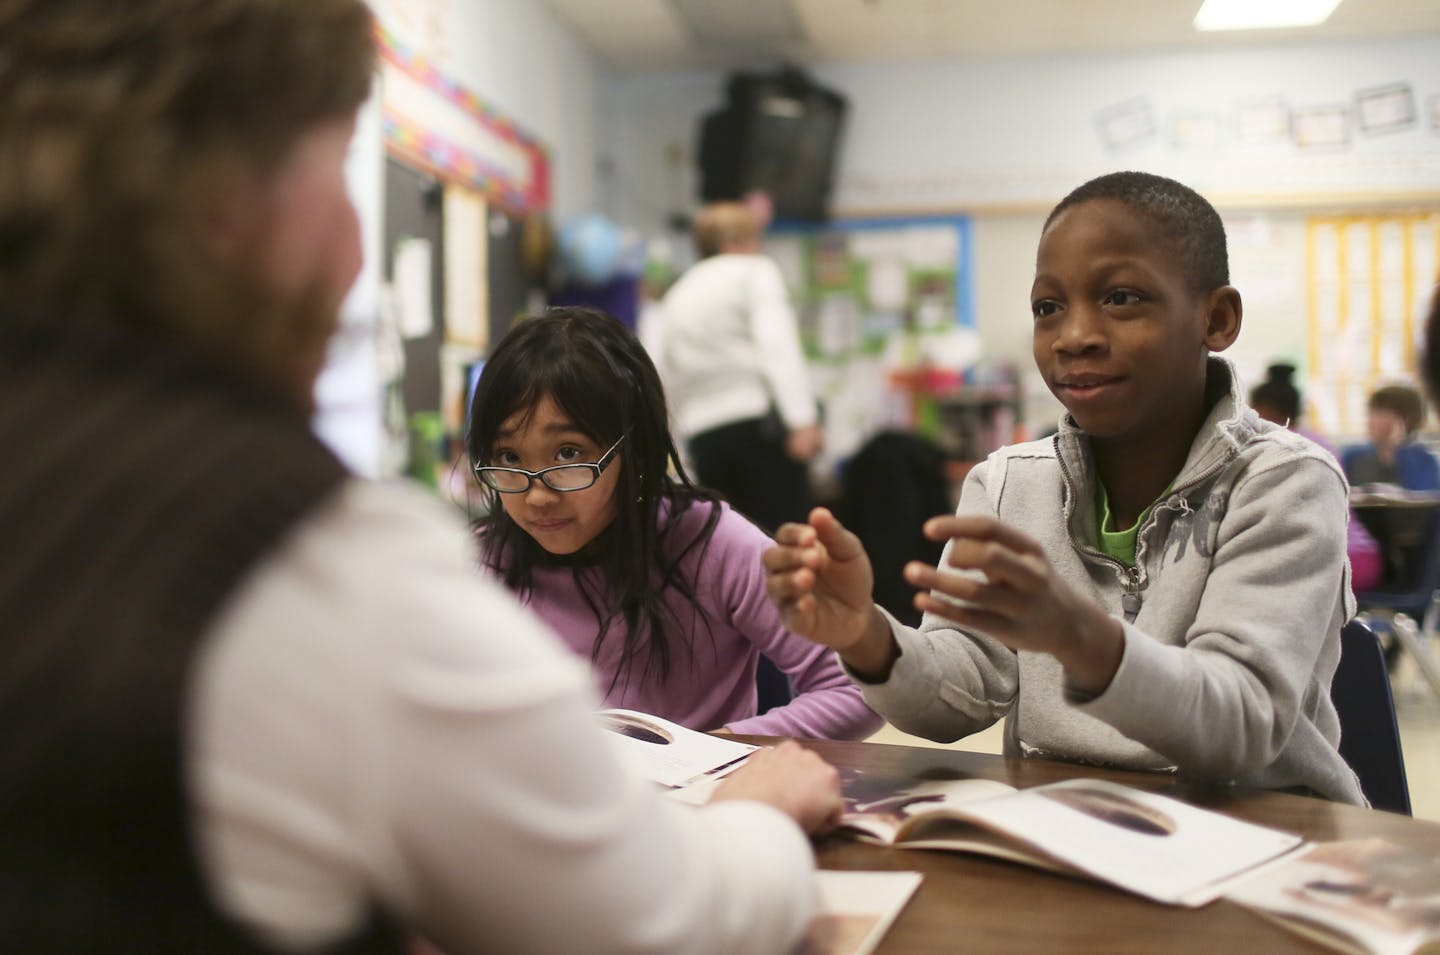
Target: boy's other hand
[(792, 779), (1021, 601)]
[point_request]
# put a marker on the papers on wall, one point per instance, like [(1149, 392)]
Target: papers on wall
[(412, 281), (466, 281)]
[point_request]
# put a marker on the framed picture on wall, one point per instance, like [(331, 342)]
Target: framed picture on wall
[(1126, 125), (1321, 127), (1262, 121), (1195, 130), (1385, 109)]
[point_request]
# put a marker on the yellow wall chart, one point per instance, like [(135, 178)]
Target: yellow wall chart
[(1369, 280)]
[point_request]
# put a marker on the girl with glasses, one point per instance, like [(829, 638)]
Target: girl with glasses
[(594, 523)]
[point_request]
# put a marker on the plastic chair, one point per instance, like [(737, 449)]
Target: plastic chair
[(1369, 735), (1413, 615)]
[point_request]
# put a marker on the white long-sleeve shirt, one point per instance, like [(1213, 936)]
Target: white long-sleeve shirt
[(373, 722), (729, 346)]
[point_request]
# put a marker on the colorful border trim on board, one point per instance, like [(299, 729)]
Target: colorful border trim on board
[(431, 121)]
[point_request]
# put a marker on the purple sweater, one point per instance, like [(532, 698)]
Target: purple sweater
[(716, 687)]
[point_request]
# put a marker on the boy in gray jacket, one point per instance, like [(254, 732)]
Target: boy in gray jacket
[(1161, 585)]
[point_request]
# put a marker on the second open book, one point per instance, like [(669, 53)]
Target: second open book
[(1141, 842), (1144, 843)]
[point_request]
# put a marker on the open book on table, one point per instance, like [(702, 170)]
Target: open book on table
[(1144, 843), (671, 754), (1363, 896)]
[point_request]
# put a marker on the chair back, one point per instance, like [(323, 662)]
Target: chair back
[(1369, 735), (772, 686), (1415, 599), (892, 486)]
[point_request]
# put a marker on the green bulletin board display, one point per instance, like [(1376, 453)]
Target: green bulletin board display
[(886, 317)]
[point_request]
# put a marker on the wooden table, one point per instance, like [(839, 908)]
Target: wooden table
[(972, 903)]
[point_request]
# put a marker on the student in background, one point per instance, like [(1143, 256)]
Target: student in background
[(594, 523), (732, 364), (1277, 400), (1162, 585), (246, 699), (1393, 457)]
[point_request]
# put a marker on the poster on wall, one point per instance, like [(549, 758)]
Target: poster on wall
[(427, 25), (886, 319), (467, 282), (1370, 279)]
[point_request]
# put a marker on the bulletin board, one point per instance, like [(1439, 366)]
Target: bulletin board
[(1369, 283), (858, 281), (886, 315)]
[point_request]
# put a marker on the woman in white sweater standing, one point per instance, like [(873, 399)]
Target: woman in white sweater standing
[(730, 355)]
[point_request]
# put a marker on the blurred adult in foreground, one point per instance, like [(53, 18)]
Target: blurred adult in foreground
[(248, 701)]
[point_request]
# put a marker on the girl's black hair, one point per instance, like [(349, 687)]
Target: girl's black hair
[(1279, 392), (596, 372)]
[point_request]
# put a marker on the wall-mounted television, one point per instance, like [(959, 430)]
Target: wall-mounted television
[(778, 132)]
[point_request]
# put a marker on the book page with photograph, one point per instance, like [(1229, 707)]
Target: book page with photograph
[(1152, 845), (671, 754), (854, 910), (1362, 896)]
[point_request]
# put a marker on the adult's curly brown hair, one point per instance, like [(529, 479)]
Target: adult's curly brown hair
[(123, 123)]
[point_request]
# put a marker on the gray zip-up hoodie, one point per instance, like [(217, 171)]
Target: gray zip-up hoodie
[(1232, 614)]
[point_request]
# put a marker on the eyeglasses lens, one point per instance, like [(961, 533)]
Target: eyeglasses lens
[(573, 478)]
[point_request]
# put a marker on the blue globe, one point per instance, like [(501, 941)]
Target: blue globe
[(591, 249)]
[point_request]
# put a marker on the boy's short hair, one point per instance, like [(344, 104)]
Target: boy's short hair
[(1187, 220), (1403, 402), (721, 225)]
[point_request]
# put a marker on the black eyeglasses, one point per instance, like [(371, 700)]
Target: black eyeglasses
[(561, 477)]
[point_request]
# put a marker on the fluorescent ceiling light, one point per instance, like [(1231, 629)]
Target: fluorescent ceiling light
[(1262, 14)]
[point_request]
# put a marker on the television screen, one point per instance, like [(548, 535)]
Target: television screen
[(779, 133)]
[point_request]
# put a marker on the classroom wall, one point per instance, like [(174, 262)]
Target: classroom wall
[(1021, 131), (1004, 139), (518, 56), (529, 66)]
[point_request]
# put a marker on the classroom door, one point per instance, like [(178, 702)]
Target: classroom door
[(414, 208)]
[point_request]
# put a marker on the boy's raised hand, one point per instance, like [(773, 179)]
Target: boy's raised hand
[(1021, 602), (819, 575)]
